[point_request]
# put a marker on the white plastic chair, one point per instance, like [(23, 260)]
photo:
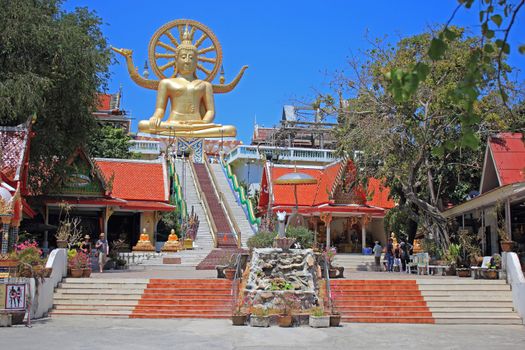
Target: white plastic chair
[(412, 263), (423, 263)]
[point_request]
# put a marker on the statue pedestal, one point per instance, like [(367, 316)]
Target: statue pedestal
[(194, 146), (143, 245), (172, 245)]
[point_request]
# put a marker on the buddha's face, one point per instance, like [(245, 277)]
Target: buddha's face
[(186, 61)]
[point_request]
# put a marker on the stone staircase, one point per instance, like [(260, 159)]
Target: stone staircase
[(355, 262), (380, 301), (225, 237), (427, 300), (97, 297), (143, 298), (223, 185), (469, 301), (185, 299)]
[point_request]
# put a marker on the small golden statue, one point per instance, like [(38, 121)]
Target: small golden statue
[(144, 244), (173, 244), (192, 106)]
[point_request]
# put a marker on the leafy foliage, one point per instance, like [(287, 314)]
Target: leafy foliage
[(52, 63), (302, 235), (261, 239), (110, 142)]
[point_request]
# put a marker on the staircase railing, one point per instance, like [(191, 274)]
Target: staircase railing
[(328, 290), (236, 283), (245, 201), (224, 203), (176, 197), (206, 207)]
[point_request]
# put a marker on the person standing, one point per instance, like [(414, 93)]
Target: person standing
[(377, 255), (102, 247), (390, 255), (405, 255)]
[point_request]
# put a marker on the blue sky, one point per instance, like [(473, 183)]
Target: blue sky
[(292, 47)]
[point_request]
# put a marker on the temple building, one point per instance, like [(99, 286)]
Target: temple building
[(339, 211), (109, 112), (500, 204)]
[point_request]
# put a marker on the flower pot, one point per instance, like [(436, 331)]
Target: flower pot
[(490, 274), (76, 273), (239, 320), (335, 320), (463, 272), (47, 272), (332, 273), (319, 321), (229, 273), (285, 320), (86, 272), (61, 244), (17, 317), (259, 321), (507, 246)]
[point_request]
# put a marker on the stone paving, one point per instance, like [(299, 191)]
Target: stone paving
[(106, 333)]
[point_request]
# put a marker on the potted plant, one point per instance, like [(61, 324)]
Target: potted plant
[(507, 245), (84, 262), (74, 263), (260, 317), (239, 315), (229, 266), (30, 261), (69, 231), (318, 319), (335, 319), (492, 273), (289, 302)]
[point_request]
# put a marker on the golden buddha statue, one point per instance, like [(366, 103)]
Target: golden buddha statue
[(192, 106), (144, 244), (173, 244)]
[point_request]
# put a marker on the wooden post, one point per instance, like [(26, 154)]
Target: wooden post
[(327, 219)]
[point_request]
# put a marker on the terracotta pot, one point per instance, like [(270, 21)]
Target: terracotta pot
[(285, 320), (332, 273), (239, 320), (61, 244), (507, 246), (76, 273), (463, 272), (86, 272), (229, 273), (490, 274), (335, 320)]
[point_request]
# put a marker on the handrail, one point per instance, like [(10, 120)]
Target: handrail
[(236, 283), (242, 194), (177, 196), (223, 202), (206, 207), (327, 279)]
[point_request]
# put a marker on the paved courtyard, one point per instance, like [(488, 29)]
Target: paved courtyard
[(108, 333)]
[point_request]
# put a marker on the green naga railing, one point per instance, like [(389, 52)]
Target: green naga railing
[(245, 201), (176, 197)]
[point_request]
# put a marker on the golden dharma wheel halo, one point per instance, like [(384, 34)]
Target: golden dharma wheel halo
[(161, 51)]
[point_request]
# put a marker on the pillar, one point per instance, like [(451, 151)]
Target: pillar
[(6, 221), (327, 219), (363, 237), (508, 223), (45, 245)]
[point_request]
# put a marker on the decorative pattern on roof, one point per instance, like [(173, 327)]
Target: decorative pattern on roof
[(13, 144), (136, 180), (508, 151)]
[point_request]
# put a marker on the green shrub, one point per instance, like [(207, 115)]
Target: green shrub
[(302, 235), (261, 240)]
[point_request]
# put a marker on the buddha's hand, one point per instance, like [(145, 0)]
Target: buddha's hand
[(154, 122)]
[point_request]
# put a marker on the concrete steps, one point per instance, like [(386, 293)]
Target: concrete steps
[(355, 262), (233, 201), (469, 301), (143, 298)]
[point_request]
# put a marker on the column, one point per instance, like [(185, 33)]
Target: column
[(6, 220), (363, 235), (327, 219)]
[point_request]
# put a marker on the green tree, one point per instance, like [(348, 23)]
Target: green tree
[(424, 143), (52, 63), (110, 142)]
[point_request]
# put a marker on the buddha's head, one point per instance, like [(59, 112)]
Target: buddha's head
[(186, 55)]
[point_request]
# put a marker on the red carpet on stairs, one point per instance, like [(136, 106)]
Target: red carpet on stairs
[(380, 301), (189, 298), (218, 257)]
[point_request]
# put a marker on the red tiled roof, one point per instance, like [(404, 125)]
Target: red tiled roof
[(261, 134), (13, 143), (136, 180), (508, 151), (104, 102), (145, 205), (319, 194)]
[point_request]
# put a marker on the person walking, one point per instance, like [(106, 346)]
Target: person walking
[(102, 247), (405, 255), (377, 250)]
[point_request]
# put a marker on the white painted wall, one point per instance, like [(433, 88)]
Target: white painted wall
[(511, 264), (42, 303)]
